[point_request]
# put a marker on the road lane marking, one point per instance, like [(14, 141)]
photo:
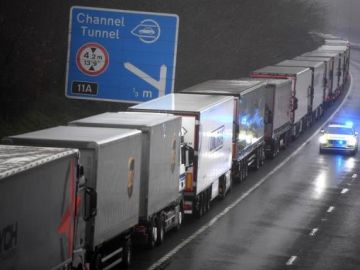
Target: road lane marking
[(330, 209), (313, 231), (344, 190), (177, 248), (291, 260), (354, 175)]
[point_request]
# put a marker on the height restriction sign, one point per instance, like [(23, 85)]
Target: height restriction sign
[(119, 55)]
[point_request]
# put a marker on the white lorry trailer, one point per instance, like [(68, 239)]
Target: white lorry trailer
[(333, 71), (300, 108), (328, 81), (161, 187), (248, 132), (318, 72), (110, 208), (38, 207), (277, 115), (344, 53), (207, 124)]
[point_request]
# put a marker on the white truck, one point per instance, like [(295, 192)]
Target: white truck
[(318, 72), (300, 105), (161, 187), (248, 131), (109, 209), (38, 206), (328, 81), (207, 125)]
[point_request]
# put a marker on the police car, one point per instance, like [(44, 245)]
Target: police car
[(339, 137)]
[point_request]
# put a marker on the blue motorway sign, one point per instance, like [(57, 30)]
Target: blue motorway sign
[(119, 55)]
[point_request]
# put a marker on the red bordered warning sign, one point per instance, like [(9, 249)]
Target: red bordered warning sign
[(92, 59)]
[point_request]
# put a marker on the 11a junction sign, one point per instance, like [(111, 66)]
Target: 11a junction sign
[(119, 55)]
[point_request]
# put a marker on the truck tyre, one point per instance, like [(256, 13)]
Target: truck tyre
[(152, 235), (257, 160), (127, 254), (222, 189), (241, 171), (208, 199), (246, 169), (160, 229), (97, 261), (262, 154), (199, 211)]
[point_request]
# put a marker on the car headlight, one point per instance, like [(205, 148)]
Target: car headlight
[(323, 139), (351, 141)]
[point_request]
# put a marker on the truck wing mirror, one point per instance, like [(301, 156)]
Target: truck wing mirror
[(90, 197), (187, 155)]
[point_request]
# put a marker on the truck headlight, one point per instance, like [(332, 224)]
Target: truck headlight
[(351, 141), (323, 139)]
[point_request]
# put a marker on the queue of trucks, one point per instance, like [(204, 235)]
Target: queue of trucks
[(81, 196)]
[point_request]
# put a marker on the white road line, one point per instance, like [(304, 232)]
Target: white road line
[(313, 231), (242, 197), (291, 260), (330, 209), (344, 190), (354, 175)]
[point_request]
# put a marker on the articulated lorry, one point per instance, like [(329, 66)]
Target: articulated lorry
[(300, 105), (318, 93), (109, 209), (161, 187), (248, 130), (39, 204), (207, 124)]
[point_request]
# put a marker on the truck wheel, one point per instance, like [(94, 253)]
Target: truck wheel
[(241, 171), (257, 160), (199, 211), (97, 261), (160, 229), (207, 202), (262, 154), (127, 254), (152, 235), (246, 169)]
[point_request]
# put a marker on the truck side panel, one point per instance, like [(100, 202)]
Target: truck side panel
[(281, 111), (37, 216), (251, 118), (303, 94), (118, 187), (215, 143), (163, 186), (319, 93)]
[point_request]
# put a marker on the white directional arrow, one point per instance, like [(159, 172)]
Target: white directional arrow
[(159, 85)]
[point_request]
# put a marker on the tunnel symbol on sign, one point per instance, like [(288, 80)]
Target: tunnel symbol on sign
[(148, 31)]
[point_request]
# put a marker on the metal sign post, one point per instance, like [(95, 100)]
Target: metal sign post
[(118, 55)]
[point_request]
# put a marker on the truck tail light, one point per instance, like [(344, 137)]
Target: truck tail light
[(188, 207), (189, 182)]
